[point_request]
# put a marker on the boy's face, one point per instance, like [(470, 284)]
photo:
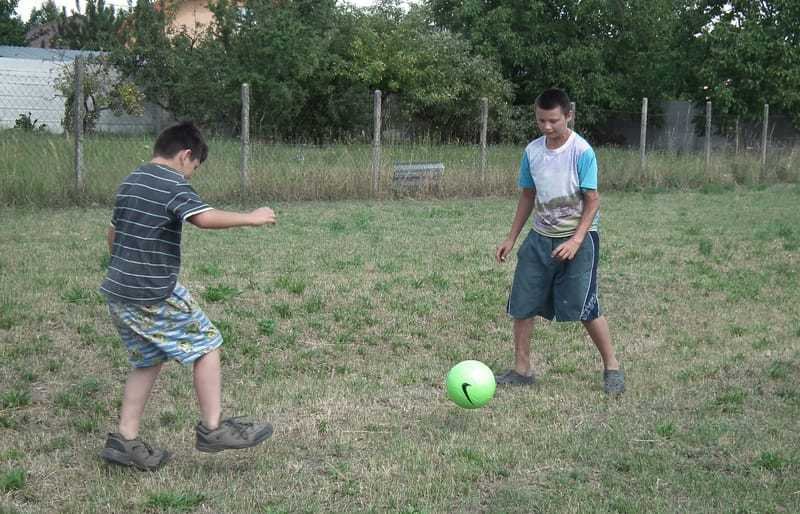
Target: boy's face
[(553, 122)]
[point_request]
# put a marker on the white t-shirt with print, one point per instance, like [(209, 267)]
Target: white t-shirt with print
[(559, 177)]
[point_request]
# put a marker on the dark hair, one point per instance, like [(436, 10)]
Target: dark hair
[(552, 98), (183, 136)]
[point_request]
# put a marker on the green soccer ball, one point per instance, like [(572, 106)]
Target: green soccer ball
[(470, 384)]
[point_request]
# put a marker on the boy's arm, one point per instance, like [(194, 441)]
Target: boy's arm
[(216, 218), (591, 203), (524, 207)]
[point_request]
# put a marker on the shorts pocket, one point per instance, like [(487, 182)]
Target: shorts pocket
[(581, 264)]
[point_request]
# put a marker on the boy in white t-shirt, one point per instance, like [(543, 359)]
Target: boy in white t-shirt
[(556, 274)]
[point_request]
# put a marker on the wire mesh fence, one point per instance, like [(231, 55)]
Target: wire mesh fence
[(668, 145), (29, 101)]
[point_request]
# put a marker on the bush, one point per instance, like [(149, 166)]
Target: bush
[(27, 124)]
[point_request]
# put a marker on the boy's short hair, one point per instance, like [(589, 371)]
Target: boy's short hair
[(552, 98), (183, 136)]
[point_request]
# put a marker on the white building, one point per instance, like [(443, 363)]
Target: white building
[(27, 77)]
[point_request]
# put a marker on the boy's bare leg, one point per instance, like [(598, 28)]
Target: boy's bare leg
[(522, 345), (208, 386), (601, 337), (137, 391)]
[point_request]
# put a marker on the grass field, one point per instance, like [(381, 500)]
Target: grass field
[(38, 170), (340, 325)]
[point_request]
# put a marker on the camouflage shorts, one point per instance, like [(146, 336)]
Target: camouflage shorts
[(175, 328)]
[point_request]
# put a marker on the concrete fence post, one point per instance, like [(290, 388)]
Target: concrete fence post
[(764, 139), (484, 130), (708, 138), (643, 138), (244, 160), (77, 125), (376, 142)]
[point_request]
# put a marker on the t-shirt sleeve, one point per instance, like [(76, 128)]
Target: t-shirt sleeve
[(525, 180), (186, 202), (587, 170)]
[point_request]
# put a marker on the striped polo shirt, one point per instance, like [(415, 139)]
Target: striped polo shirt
[(151, 205)]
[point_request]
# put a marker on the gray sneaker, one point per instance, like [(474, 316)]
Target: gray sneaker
[(614, 381), (134, 453), (511, 377), (232, 434)]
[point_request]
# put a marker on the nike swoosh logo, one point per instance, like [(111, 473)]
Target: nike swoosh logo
[(464, 387)]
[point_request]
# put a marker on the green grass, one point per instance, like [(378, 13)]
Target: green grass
[(340, 324), (290, 172)]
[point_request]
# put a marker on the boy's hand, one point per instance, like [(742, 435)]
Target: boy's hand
[(503, 250), (263, 216), (566, 251)]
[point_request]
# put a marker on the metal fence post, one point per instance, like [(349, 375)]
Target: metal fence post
[(571, 124), (376, 142), (643, 137), (708, 138), (245, 141), (484, 128), (77, 125)]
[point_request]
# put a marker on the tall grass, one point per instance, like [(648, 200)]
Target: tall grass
[(38, 169)]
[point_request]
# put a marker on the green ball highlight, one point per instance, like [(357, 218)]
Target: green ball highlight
[(470, 384)]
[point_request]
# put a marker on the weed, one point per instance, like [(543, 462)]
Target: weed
[(292, 284), (770, 461), (212, 270), (665, 430), (12, 480), (705, 247), (220, 293), (313, 305), (173, 501), (779, 370), (266, 327), (283, 310), (77, 295), (15, 398)]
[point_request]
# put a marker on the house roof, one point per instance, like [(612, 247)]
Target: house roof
[(44, 54)]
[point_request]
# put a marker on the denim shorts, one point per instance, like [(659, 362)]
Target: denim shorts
[(553, 289), (173, 329)]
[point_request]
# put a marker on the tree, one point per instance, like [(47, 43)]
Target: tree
[(146, 53), (431, 78), (749, 57), (606, 55), (281, 48), (12, 29), (103, 90), (95, 29), (48, 12)]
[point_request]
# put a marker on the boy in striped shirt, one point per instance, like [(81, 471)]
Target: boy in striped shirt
[(155, 315)]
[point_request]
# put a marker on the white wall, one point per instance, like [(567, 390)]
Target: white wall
[(26, 85)]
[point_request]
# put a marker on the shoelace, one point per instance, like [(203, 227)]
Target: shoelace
[(241, 427), (142, 443)]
